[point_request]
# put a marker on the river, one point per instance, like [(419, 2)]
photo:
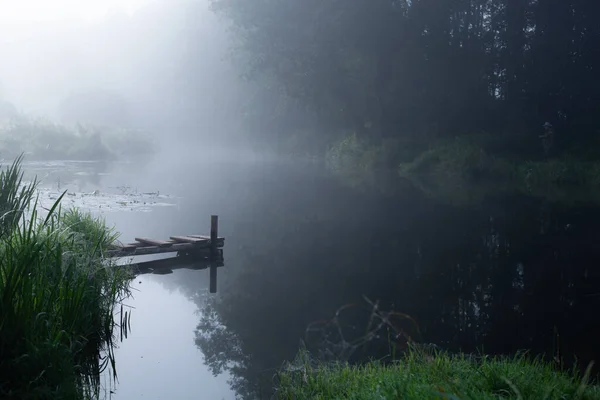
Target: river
[(503, 274)]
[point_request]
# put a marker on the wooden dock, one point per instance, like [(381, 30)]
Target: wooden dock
[(192, 252), (188, 244)]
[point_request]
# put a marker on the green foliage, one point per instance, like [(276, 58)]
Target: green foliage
[(438, 376), (359, 161), (57, 298), (45, 140), (334, 78), (14, 196), (423, 73), (348, 154), (462, 170), (459, 158), (354, 160), (566, 171), (388, 68)]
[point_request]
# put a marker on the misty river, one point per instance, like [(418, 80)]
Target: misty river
[(509, 273)]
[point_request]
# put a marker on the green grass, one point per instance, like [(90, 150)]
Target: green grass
[(14, 197), (42, 139), (57, 325), (438, 376)]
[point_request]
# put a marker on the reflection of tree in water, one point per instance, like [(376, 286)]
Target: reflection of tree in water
[(384, 334), (361, 330), (223, 351), (502, 277)]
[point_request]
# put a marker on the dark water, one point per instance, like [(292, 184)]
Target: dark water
[(505, 274)]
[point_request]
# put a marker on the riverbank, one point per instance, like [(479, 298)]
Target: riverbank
[(469, 167), (439, 376), (41, 139), (56, 297)]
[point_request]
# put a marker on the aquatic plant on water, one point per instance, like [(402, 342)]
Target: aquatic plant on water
[(57, 297)]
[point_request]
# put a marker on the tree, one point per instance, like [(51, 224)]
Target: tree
[(391, 67)]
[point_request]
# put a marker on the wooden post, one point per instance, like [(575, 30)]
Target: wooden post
[(214, 228), (213, 278)]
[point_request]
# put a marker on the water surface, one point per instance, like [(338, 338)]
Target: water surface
[(503, 274)]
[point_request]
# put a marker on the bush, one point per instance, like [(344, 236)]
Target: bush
[(567, 171), (460, 158)]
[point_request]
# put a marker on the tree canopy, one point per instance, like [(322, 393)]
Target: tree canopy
[(438, 67)]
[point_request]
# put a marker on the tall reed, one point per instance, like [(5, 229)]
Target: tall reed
[(57, 297)]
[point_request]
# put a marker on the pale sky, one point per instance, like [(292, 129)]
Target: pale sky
[(37, 10)]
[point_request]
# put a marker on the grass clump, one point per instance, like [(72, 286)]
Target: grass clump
[(438, 376), (57, 297)]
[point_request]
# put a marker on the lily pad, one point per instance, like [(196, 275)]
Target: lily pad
[(105, 201), (58, 176)]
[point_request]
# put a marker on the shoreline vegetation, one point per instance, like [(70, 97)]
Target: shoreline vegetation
[(42, 140), (461, 99), (467, 168), (421, 374), (57, 297), (410, 369)]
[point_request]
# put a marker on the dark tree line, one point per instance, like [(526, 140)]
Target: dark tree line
[(436, 67)]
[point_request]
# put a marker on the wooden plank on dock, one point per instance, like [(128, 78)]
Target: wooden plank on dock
[(189, 239), (201, 237), (125, 246), (219, 239), (145, 250), (154, 242)]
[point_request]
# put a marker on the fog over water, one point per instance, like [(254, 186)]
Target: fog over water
[(147, 114)]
